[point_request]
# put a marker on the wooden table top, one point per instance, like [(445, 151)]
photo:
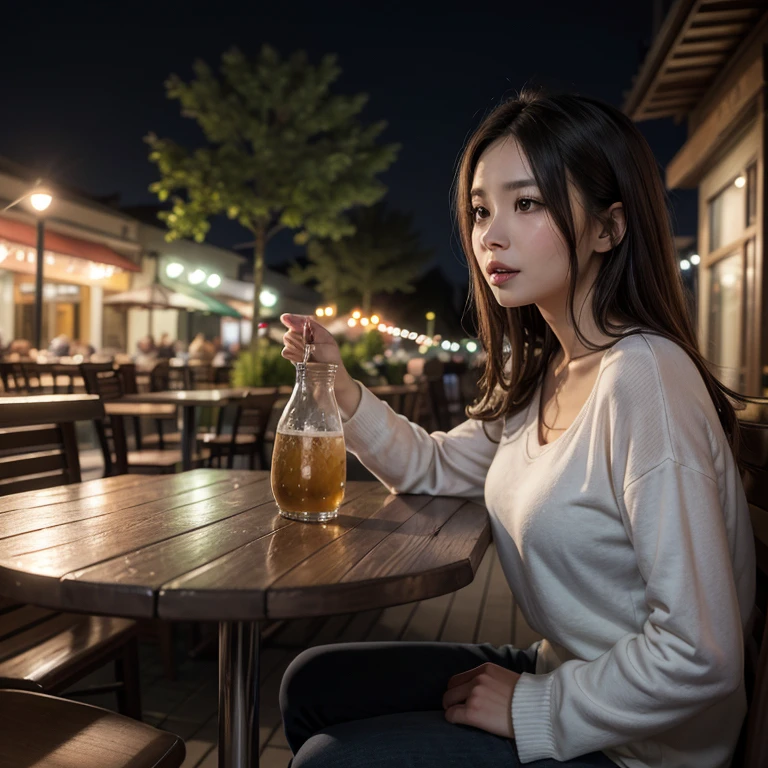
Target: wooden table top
[(48, 409), (190, 397), (210, 545)]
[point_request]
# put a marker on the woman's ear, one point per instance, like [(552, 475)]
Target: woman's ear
[(612, 235)]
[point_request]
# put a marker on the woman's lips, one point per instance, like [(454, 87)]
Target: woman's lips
[(499, 278)]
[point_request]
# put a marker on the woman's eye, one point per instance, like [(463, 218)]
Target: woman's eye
[(478, 212), (526, 204)]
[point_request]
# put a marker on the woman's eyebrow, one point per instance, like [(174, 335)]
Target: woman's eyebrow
[(508, 186)]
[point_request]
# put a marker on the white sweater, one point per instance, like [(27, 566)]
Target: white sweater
[(628, 546)]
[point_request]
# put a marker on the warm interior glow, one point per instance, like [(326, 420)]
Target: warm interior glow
[(197, 277)]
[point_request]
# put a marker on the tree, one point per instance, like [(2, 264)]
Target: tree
[(383, 256), (281, 151)]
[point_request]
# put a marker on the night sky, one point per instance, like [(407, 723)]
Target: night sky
[(83, 83)]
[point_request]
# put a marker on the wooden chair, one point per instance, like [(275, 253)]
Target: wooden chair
[(159, 413), (38, 446), (40, 649), (103, 380), (247, 433), (48, 732), (752, 751)]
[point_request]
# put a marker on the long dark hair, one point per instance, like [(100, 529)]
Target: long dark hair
[(600, 150)]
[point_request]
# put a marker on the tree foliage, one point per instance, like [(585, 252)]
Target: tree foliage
[(384, 255), (280, 151)]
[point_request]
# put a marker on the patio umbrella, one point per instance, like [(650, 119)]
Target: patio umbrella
[(155, 296)]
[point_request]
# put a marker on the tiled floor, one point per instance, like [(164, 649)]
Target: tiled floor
[(483, 611)]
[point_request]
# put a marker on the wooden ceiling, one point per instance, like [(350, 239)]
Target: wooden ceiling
[(694, 44)]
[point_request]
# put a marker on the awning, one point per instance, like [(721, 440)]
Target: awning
[(26, 234), (156, 296), (214, 306)]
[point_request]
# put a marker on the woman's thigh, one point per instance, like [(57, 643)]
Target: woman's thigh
[(334, 684), (418, 740)]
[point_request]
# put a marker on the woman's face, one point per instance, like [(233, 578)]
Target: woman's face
[(523, 257)]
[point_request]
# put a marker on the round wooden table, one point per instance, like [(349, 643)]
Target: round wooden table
[(210, 545)]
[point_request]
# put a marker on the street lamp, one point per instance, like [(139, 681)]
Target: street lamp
[(40, 198)]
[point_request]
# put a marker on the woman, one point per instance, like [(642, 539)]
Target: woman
[(604, 450)]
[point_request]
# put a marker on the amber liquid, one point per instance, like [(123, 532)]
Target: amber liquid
[(309, 471)]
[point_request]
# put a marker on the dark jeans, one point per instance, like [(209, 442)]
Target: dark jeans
[(379, 705)]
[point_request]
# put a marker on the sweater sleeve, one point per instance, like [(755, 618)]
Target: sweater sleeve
[(689, 653), (409, 460)]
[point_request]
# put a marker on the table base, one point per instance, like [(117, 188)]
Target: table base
[(239, 694)]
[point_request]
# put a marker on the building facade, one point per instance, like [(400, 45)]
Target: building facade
[(94, 253), (706, 67)]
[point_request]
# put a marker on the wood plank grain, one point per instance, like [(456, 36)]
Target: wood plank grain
[(436, 550), (35, 575), (57, 513), (497, 615), (136, 578), (233, 586), (464, 615), (118, 516), (333, 562), (86, 490), (427, 620)]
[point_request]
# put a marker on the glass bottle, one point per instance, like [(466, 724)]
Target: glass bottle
[(309, 461)]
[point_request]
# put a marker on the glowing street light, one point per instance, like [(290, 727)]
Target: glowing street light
[(357, 314), (352, 322), (196, 277), (40, 198), (328, 311), (319, 311), (375, 319)]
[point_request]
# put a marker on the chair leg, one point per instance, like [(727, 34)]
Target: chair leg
[(137, 432), (252, 459), (127, 672), (160, 440), (166, 635)]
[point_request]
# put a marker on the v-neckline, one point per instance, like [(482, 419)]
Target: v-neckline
[(534, 447)]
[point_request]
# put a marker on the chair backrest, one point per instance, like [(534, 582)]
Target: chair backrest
[(253, 413), (200, 376), (158, 376), (127, 374), (38, 446), (178, 377), (753, 746), (102, 379)]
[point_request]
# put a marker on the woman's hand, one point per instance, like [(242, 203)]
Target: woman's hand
[(482, 698), (324, 350)]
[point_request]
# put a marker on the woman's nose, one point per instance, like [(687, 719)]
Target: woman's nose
[(495, 238)]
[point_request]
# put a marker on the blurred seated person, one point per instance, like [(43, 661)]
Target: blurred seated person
[(82, 348), (165, 350), (226, 355), (200, 350), (59, 346), (146, 355)]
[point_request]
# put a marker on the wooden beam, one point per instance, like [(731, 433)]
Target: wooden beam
[(693, 76), (735, 14), (683, 62), (686, 165), (716, 32), (706, 46)]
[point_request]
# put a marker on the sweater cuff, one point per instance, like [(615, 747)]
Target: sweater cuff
[(532, 718), (364, 428)]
